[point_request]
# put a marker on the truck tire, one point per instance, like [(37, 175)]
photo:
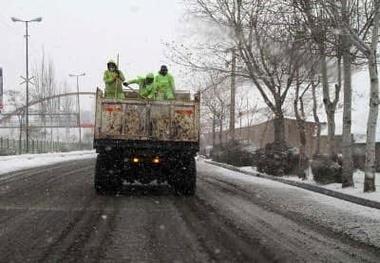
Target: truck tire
[(102, 180), (185, 178)]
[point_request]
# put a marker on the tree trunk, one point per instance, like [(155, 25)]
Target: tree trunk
[(279, 129), (262, 139), (301, 129), (331, 131), (329, 107), (347, 169), (318, 123), (213, 130), (370, 162), (220, 131)]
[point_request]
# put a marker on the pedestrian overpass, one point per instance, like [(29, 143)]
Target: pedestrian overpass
[(39, 119)]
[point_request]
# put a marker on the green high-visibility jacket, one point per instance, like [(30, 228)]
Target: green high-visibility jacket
[(113, 82), (165, 86), (145, 90), (140, 81)]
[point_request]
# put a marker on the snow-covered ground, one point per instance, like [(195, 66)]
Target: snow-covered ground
[(19, 162), (357, 190)]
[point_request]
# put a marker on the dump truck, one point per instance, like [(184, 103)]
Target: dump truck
[(142, 141)]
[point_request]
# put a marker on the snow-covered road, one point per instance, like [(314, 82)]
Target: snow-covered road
[(357, 221), (52, 213)]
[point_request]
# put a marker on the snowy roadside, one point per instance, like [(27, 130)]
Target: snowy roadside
[(357, 190), (352, 194), (18, 162)]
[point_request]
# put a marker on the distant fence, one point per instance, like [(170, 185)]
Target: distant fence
[(14, 147)]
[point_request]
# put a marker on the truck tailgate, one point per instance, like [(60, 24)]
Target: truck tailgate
[(136, 119)]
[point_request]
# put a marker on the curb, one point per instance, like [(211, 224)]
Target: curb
[(314, 188)]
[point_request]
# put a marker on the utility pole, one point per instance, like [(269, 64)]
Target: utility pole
[(233, 92), (26, 79), (238, 31), (78, 106)]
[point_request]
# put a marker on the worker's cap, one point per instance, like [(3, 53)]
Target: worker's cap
[(164, 68)]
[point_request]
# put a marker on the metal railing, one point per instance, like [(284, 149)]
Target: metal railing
[(15, 147)]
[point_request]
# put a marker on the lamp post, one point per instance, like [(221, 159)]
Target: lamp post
[(78, 106), (38, 19)]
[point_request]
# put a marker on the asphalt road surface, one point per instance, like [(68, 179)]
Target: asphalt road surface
[(52, 214)]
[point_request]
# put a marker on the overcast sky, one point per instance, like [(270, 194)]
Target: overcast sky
[(82, 35)]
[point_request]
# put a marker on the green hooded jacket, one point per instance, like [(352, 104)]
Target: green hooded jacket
[(165, 86), (145, 90), (113, 82)]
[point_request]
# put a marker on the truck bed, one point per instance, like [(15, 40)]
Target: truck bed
[(133, 120)]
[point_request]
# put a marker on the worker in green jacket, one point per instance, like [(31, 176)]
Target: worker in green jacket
[(146, 85), (113, 79), (165, 84)]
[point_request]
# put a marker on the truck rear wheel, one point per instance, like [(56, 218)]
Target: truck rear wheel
[(103, 182), (185, 178)]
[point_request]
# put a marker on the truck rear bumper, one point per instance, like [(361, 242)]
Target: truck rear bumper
[(107, 145)]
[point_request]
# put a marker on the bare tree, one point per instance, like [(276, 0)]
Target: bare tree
[(246, 108), (67, 105), (318, 23), (216, 103), (253, 29), (369, 51), (305, 91), (212, 87), (45, 86), (17, 100), (347, 169), (354, 21), (306, 59), (333, 14)]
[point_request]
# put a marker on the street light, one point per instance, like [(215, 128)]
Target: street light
[(78, 106), (38, 19)]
